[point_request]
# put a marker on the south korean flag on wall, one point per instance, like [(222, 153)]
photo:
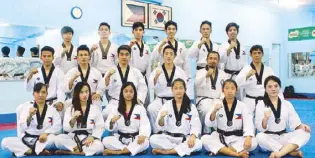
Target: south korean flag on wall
[(158, 16)]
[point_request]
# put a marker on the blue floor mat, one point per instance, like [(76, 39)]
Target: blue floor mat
[(305, 109)]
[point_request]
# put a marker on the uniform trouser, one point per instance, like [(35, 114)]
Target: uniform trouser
[(166, 142), (16, 145), (153, 111), (213, 144), (251, 105), (113, 143), (203, 107), (113, 104), (274, 142), (67, 142), (147, 99)]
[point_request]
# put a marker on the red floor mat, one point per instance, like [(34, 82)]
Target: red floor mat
[(7, 126)]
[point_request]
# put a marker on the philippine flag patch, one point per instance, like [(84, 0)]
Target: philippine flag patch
[(50, 120), (92, 121), (189, 117), (137, 116), (238, 116)]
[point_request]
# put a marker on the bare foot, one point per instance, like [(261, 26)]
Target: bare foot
[(231, 148), (296, 153), (62, 152), (107, 152), (45, 152), (274, 155), (211, 154), (243, 154), (155, 151), (159, 151), (78, 153), (28, 152)]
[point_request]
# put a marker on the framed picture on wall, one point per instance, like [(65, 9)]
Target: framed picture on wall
[(158, 16), (302, 64), (132, 11)]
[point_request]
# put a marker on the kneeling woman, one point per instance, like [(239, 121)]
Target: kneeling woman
[(273, 117), (83, 124), (39, 122), (235, 129), (179, 120), (130, 124)]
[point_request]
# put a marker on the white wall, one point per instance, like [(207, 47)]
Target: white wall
[(296, 20)]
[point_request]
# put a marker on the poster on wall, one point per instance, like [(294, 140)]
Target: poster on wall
[(299, 34), (302, 64), (134, 12), (158, 16)]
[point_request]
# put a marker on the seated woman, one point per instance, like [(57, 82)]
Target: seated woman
[(83, 125), (179, 120), (273, 117), (235, 129), (130, 124), (39, 122)]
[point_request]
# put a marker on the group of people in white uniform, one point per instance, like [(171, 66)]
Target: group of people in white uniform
[(66, 116)]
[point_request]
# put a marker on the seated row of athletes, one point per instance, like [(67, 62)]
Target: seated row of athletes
[(178, 126)]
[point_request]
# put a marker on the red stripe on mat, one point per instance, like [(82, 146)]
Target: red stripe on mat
[(7, 126)]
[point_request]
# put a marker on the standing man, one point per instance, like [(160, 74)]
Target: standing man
[(202, 47), (140, 55), (65, 57)]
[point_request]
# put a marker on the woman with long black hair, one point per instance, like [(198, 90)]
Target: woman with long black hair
[(179, 120), (130, 124), (83, 125), (273, 117)]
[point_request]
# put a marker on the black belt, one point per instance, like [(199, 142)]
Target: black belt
[(76, 138), (165, 98), (256, 98), (27, 135), (145, 78), (202, 98), (127, 135), (50, 101), (232, 72), (278, 133), (228, 133), (20, 74), (176, 135), (200, 67)]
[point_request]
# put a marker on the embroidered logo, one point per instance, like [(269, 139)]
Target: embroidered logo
[(137, 116), (189, 117), (92, 122), (238, 116), (50, 120)]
